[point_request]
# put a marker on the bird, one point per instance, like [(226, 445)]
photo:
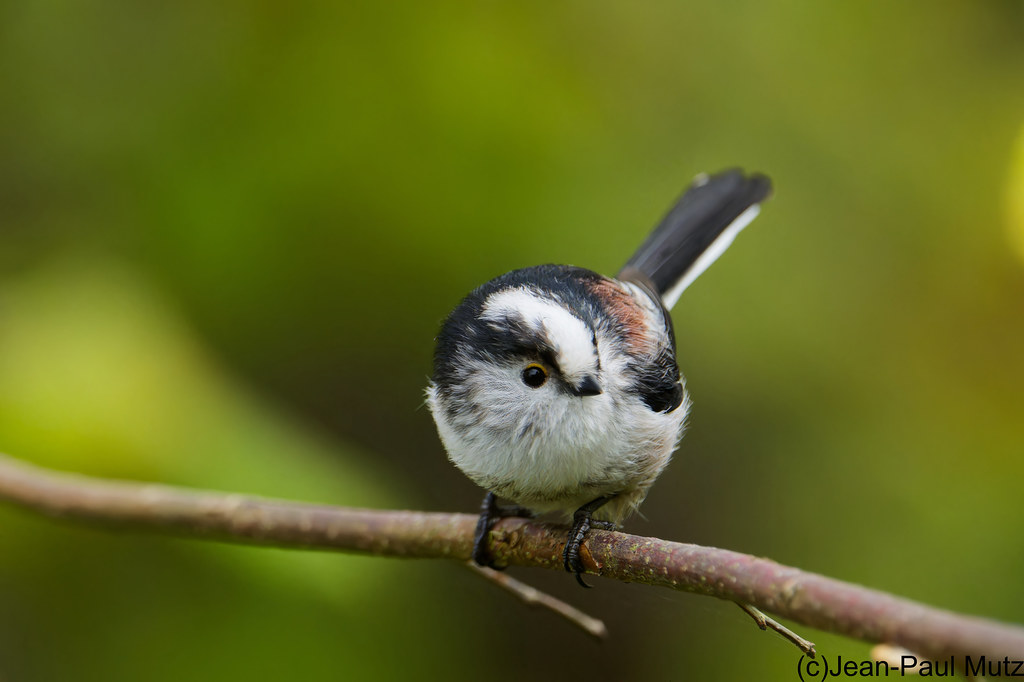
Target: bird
[(557, 389)]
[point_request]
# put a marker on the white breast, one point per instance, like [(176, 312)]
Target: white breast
[(552, 451)]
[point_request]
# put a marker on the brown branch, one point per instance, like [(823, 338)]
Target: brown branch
[(534, 597), (767, 623), (803, 597)]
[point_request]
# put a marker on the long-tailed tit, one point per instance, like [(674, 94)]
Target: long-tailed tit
[(557, 388)]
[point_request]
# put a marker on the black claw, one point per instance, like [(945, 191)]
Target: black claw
[(481, 552), (571, 554), (582, 521), (490, 513)]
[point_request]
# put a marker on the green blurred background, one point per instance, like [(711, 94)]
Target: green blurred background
[(229, 232)]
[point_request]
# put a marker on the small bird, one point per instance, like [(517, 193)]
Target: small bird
[(557, 389)]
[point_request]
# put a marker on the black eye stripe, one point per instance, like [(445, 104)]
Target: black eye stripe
[(548, 356)]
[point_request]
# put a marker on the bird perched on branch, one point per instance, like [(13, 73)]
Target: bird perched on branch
[(557, 389)]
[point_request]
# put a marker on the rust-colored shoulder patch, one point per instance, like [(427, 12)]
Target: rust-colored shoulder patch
[(625, 310)]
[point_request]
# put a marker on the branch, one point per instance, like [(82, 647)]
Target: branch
[(765, 623), (806, 598), (534, 597)]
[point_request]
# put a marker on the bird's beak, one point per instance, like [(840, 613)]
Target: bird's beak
[(588, 386)]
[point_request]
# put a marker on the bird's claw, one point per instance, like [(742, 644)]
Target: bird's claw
[(571, 554), (582, 521), (490, 513)]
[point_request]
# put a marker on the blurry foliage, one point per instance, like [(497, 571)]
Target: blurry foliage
[(228, 233), (1015, 198)]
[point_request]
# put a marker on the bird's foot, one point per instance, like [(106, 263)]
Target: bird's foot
[(490, 513), (582, 521)]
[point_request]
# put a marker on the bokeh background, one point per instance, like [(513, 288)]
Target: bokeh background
[(230, 231)]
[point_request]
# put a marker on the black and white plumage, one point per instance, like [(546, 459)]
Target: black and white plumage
[(557, 388)]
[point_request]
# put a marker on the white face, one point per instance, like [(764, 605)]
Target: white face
[(524, 416), (506, 411), (518, 396), (527, 444)]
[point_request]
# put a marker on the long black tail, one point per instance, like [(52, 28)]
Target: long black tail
[(696, 231)]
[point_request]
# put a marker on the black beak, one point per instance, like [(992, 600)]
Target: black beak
[(588, 386)]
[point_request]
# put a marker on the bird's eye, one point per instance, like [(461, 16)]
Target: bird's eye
[(534, 375)]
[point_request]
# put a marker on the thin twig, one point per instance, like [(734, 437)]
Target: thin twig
[(766, 622), (802, 597), (534, 597)]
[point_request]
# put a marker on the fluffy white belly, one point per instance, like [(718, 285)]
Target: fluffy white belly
[(566, 454)]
